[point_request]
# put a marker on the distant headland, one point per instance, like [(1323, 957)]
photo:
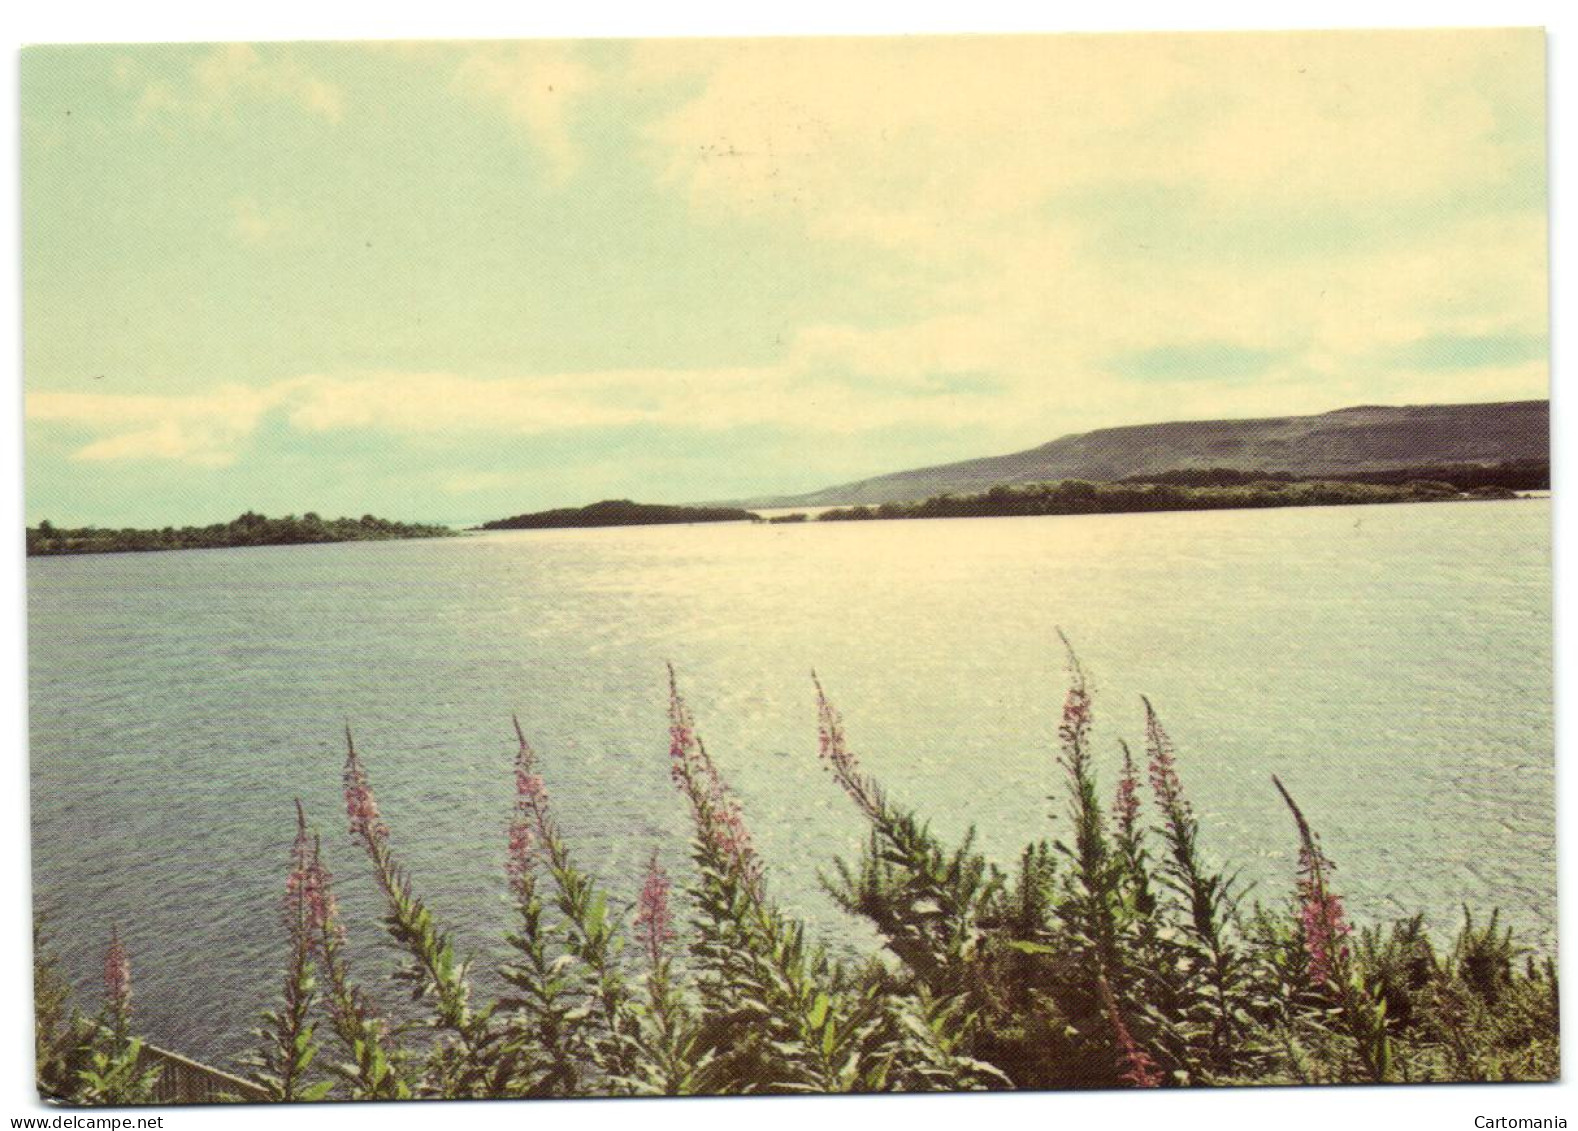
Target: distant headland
[(249, 529), (1374, 443)]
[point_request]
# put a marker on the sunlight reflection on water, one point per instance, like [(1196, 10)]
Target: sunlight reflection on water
[(1391, 664)]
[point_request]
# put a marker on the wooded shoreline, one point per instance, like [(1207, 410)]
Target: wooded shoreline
[(249, 529), (1182, 490)]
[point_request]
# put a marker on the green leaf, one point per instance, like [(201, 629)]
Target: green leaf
[(1024, 946), (819, 1011), (596, 916)]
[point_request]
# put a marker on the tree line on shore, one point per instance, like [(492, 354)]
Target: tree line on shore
[(1183, 489), (1080, 496), (249, 529)]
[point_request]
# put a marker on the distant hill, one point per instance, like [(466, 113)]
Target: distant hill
[(1349, 441), (618, 512)]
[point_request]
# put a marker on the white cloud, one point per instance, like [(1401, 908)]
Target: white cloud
[(254, 225), (918, 141), (538, 84), (167, 441), (233, 73), (213, 429), (205, 429), (449, 404), (1318, 195), (1051, 203), (1022, 360)]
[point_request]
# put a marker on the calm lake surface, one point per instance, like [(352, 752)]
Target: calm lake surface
[(1391, 664)]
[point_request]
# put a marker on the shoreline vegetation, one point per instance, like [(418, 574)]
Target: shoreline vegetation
[(1080, 496), (249, 529), (1187, 489), (619, 512), (1113, 951)]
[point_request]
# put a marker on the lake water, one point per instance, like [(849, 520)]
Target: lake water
[(1391, 664)]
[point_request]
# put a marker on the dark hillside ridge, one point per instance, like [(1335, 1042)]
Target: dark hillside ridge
[(1348, 442), (1514, 475)]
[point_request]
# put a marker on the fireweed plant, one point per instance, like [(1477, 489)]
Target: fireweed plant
[(87, 1058), (1118, 955)]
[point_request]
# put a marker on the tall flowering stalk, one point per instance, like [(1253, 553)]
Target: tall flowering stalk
[(671, 1061), (316, 938), (361, 809), (1126, 799), (1091, 908), (1324, 930), (288, 1044), (1207, 895), (117, 983), (719, 820), (1205, 892), (590, 934), (112, 1073), (835, 754), (771, 1014), (541, 1018), (925, 900), (470, 1066), (929, 904), (525, 847), (1107, 905), (374, 1070), (1323, 923), (1322, 918), (654, 924), (1139, 900)]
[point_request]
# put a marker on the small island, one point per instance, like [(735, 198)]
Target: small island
[(249, 529), (619, 512)]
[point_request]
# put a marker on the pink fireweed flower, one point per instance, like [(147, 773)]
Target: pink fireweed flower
[(1163, 765), (361, 807), (681, 726), (720, 823), (298, 881), (300, 854), (1139, 1069), (1074, 729), (117, 975), (1321, 915), (837, 757), (1076, 714), (1126, 804), (323, 911), (654, 925), (1322, 920), (727, 830), (522, 859), (531, 826), (310, 907)]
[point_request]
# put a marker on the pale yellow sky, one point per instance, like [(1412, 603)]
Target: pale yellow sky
[(464, 278)]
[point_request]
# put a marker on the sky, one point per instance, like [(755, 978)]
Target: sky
[(460, 280)]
